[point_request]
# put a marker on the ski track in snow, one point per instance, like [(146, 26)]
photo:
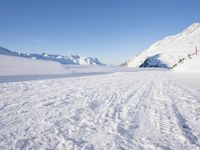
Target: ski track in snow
[(132, 110)]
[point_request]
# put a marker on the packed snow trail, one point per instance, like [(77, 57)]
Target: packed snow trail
[(132, 110)]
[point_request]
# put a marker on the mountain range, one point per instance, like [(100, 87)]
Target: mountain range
[(170, 52), (63, 59)]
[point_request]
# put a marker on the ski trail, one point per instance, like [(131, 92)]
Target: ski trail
[(171, 121), (182, 100), (126, 132), (140, 110), (186, 130), (162, 126)]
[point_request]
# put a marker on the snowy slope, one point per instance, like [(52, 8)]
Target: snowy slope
[(131, 111), (13, 65), (189, 65), (167, 52), (69, 60)]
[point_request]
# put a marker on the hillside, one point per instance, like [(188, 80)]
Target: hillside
[(191, 64), (168, 52)]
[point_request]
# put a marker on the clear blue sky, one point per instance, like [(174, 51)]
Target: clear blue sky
[(111, 30)]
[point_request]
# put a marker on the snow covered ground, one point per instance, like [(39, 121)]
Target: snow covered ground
[(13, 68), (122, 110), (189, 65), (13, 65)]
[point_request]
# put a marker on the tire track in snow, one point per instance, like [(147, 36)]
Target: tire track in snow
[(180, 127), (165, 122), (187, 132), (113, 109), (163, 117), (120, 111), (126, 137), (111, 119)]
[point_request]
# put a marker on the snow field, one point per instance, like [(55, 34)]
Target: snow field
[(130, 110), (12, 65)]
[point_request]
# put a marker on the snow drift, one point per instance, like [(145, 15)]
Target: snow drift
[(14, 68), (13, 65)]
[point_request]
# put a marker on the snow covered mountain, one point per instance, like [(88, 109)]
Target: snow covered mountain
[(168, 52), (69, 60)]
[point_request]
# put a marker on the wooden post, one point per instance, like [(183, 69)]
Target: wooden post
[(196, 50)]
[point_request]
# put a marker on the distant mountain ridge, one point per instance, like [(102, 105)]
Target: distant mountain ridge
[(167, 53), (69, 60)]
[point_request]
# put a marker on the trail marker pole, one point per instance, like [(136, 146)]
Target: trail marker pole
[(196, 50)]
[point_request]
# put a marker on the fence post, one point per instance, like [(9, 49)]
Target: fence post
[(196, 50)]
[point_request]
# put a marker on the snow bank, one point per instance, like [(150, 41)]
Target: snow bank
[(189, 65), (13, 65)]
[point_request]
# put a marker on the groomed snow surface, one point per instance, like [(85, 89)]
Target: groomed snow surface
[(122, 110)]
